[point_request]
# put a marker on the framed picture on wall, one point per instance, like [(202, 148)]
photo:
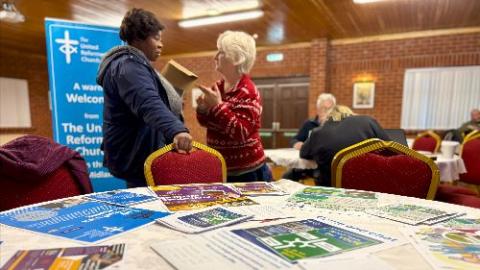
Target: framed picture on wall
[(363, 95)]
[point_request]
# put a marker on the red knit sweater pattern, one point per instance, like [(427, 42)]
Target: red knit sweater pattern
[(233, 126)]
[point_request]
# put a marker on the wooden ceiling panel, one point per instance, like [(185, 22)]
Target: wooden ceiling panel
[(284, 21)]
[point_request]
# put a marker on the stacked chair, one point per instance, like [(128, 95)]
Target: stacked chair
[(388, 167), (202, 165)]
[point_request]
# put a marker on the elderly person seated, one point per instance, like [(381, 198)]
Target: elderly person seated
[(342, 129), (473, 124)]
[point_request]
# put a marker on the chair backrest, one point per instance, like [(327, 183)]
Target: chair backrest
[(202, 165), (427, 141), (470, 153), (59, 184), (397, 135), (387, 167)]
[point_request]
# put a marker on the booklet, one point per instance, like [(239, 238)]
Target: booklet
[(179, 76), (208, 219), (120, 197), (447, 248), (335, 198), (463, 223), (197, 196), (258, 189), (79, 219), (72, 258), (410, 214)]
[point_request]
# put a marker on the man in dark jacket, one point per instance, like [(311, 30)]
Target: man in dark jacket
[(343, 129), (142, 111)]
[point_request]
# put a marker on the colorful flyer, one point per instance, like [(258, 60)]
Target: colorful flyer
[(409, 213), (447, 248), (463, 223), (307, 238), (208, 219), (258, 189), (335, 198), (192, 197), (79, 219), (120, 197), (73, 258)]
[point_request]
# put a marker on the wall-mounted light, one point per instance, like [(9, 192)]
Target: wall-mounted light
[(9, 13), (274, 57), (232, 17), (366, 1)]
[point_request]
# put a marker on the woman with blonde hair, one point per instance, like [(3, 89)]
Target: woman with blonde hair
[(342, 129), (231, 110)]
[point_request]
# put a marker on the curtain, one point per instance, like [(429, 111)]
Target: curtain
[(439, 98), (14, 103)]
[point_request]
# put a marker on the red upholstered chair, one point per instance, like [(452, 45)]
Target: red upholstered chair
[(470, 153), (202, 165), (385, 167), (427, 141)]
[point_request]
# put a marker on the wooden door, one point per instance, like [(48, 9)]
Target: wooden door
[(285, 108)]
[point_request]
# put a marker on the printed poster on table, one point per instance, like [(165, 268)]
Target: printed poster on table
[(74, 52), (80, 220), (447, 248), (258, 189), (190, 197), (71, 258), (120, 197), (411, 214)]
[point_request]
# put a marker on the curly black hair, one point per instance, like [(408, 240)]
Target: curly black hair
[(138, 24)]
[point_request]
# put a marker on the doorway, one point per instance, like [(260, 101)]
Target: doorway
[(285, 108)]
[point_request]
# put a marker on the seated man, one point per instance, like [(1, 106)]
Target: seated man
[(325, 104), (473, 124), (342, 129)]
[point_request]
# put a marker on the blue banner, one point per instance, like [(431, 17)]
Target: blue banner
[(74, 52)]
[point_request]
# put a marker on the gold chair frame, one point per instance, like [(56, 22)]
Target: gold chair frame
[(368, 146), (431, 134), (469, 137), (167, 148)]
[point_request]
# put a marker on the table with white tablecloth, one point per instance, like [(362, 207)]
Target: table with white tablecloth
[(139, 254)]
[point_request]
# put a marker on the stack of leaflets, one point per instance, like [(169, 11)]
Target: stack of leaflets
[(192, 197), (79, 219), (207, 219), (413, 214), (447, 248), (335, 198), (120, 197), (463, 223), (258, 189), (72, 258)]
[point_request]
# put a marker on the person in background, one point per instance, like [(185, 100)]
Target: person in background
[(231, 110), (325, 104), (342, 129), (473, 124), (142, 111)]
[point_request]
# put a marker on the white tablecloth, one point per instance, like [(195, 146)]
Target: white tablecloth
[(139, 255), (450, 168), (289, 158)]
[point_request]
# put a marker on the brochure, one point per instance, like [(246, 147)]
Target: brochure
[(179, 76), (208, 219), (409, 213), (463, 223), (192, 197), (258, 189), (79, 219), (335, 198), (72, 258), (447, 248), (120, 197)]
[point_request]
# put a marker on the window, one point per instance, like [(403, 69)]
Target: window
[(14, 103), (439, 98)]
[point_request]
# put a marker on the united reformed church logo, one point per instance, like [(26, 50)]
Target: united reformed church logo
[(67, 48)]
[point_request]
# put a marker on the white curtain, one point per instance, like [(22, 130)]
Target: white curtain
[(439, 98), (14, 103)]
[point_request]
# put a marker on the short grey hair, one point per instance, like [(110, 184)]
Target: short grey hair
[(324, 97), (239, 47)]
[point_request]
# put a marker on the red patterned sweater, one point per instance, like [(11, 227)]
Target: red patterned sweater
[(232, 126)]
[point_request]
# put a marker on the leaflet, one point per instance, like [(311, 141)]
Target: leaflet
[(79, 219), (192, 197), (258, 189), (120, 197), (410, 214), (72, 258), (447, 248), (208, 219)]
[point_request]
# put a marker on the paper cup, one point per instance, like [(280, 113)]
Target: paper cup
[(448, 148)]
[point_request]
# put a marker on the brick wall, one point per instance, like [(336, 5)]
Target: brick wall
[(331, 67)]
